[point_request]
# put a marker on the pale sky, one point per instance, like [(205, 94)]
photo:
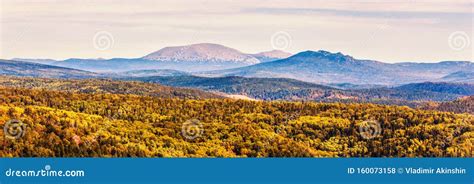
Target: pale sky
[(384, 30)]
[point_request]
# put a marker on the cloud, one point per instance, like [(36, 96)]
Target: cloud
[(46, 26), (357, 13)]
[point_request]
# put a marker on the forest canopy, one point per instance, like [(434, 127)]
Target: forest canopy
[(74, 124)]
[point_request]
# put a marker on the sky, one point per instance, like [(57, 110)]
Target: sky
[(384, 30)]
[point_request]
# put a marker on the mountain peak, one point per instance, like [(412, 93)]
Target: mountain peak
[(201, 52), (324, 54), (274, 54), (271, 55)]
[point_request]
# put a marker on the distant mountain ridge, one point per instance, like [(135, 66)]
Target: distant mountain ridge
[(271, 55), (21, 68), (260, 88), (324, 67), (441, 87), (40, 61), (460, 76), (321, 67), (187, 58)]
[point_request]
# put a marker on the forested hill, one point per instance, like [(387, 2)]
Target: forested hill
[(105, 86), (462, 105), (68, 124), (294, 90), (21, 68)]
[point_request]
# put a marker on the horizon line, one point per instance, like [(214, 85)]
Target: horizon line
[(292, 54)]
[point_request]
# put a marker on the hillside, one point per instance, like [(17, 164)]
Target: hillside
[(462, 105), (21, 68), (257, 88), (104, 86), (60, 124), (427, 91), (324, 67), (40, 61), (440, 87), (294, 90), (460, 76)]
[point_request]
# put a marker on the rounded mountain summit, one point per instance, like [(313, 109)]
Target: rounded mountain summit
[(213, 53)]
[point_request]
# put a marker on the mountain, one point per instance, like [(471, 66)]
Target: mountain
[(203, 52), (21, 68), (200, 57), (188, 58), (318, 67), (271, 55), (324, 67), (460, 76), (321, 67)]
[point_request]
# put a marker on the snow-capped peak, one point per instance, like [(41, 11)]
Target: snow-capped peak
[(203, 52)]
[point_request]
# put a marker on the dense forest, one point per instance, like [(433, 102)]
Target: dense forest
[(73, 124)]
